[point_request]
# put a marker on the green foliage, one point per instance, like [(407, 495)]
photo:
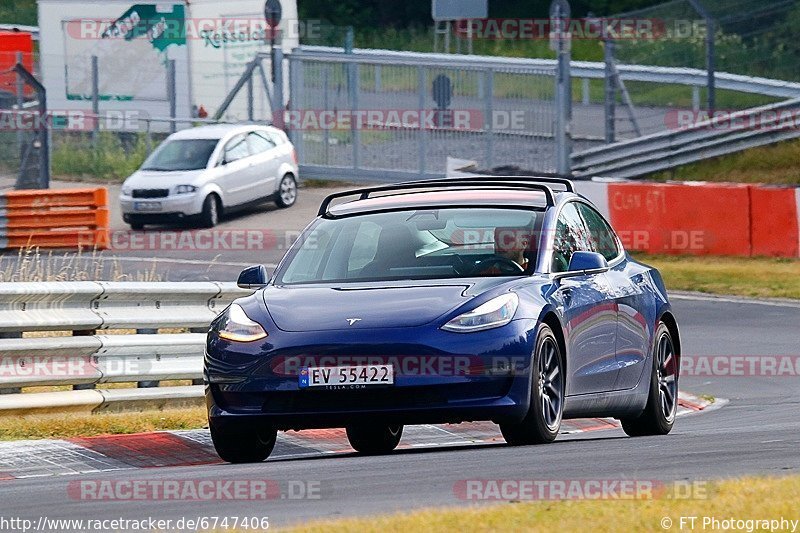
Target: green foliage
[(110, 159), (18, 12), (366, 14)]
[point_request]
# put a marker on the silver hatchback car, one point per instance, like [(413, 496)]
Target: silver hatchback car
[(196, 174)]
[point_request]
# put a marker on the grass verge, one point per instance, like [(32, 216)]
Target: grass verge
[(740, 276), (59, 426), (748, 498)]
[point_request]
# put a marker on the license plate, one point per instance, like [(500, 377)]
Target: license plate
[(346, 377), (147, 206)]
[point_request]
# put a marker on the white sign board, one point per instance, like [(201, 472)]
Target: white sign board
[(460, 9)]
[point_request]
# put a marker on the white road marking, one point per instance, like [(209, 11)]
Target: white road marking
[(732, 299)]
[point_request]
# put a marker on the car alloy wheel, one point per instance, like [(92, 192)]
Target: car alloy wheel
[(659, 414), (287, 191), (551, 384), (543, 420)]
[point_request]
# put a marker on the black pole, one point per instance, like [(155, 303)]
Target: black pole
[(44, 132)]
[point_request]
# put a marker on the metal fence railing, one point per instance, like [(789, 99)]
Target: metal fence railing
[(401, 114), (92, 357)]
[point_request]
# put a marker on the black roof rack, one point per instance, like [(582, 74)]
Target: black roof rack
[(546, 178), (515, 182)]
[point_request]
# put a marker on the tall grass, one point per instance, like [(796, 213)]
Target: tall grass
[(108, 159), (32, 264)]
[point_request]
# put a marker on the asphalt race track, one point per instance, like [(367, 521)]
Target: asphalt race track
[(757, 432)]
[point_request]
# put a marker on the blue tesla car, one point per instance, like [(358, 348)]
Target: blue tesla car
[(507, 299)]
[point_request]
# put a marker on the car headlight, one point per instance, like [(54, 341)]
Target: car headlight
[(185, 189), (125, 190), (493, 314), (235, 325)]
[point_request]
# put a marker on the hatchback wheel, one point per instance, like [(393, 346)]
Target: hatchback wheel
[(242, 442), (662, 402), (373, 440), (543, 420), (287, 192)]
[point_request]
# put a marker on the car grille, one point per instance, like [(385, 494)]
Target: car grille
[(150, 193)]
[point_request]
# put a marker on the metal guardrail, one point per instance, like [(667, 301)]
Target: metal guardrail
[(87, 359), (702, 140), (579, 69)]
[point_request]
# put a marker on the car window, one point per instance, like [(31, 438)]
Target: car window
[(181, 154), (601, 236), (415, 244), (259, 142), (571, 236), (236, 149), (276, 137)]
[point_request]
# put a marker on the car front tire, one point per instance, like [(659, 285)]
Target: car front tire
[(658, 416), (374, 439), (238, 442), (543, 420), (209, 216)]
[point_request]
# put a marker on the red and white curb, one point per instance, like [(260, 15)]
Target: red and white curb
[(37, 458)]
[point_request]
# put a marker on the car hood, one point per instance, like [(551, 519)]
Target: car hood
[(389, 305), (152, 179)]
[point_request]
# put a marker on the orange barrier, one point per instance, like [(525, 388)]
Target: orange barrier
[(705, 219), (774, 221), (63, 218)]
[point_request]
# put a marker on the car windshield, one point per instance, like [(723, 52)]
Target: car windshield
[(181, 154), (415, 244)]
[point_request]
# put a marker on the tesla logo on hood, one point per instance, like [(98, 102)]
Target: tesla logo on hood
[(352, 321)]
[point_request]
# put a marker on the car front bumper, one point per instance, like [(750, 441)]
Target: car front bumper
[(440, 377), (169, 208)]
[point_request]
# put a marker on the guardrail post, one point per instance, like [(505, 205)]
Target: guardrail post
[(84, 333), (146, 384)]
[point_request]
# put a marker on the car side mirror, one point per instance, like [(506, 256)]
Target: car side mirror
[(588, 262), (254, 277)]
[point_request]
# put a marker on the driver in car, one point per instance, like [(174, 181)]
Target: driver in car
[(510, 245)]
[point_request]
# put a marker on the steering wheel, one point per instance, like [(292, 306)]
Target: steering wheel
[(506, 265)]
